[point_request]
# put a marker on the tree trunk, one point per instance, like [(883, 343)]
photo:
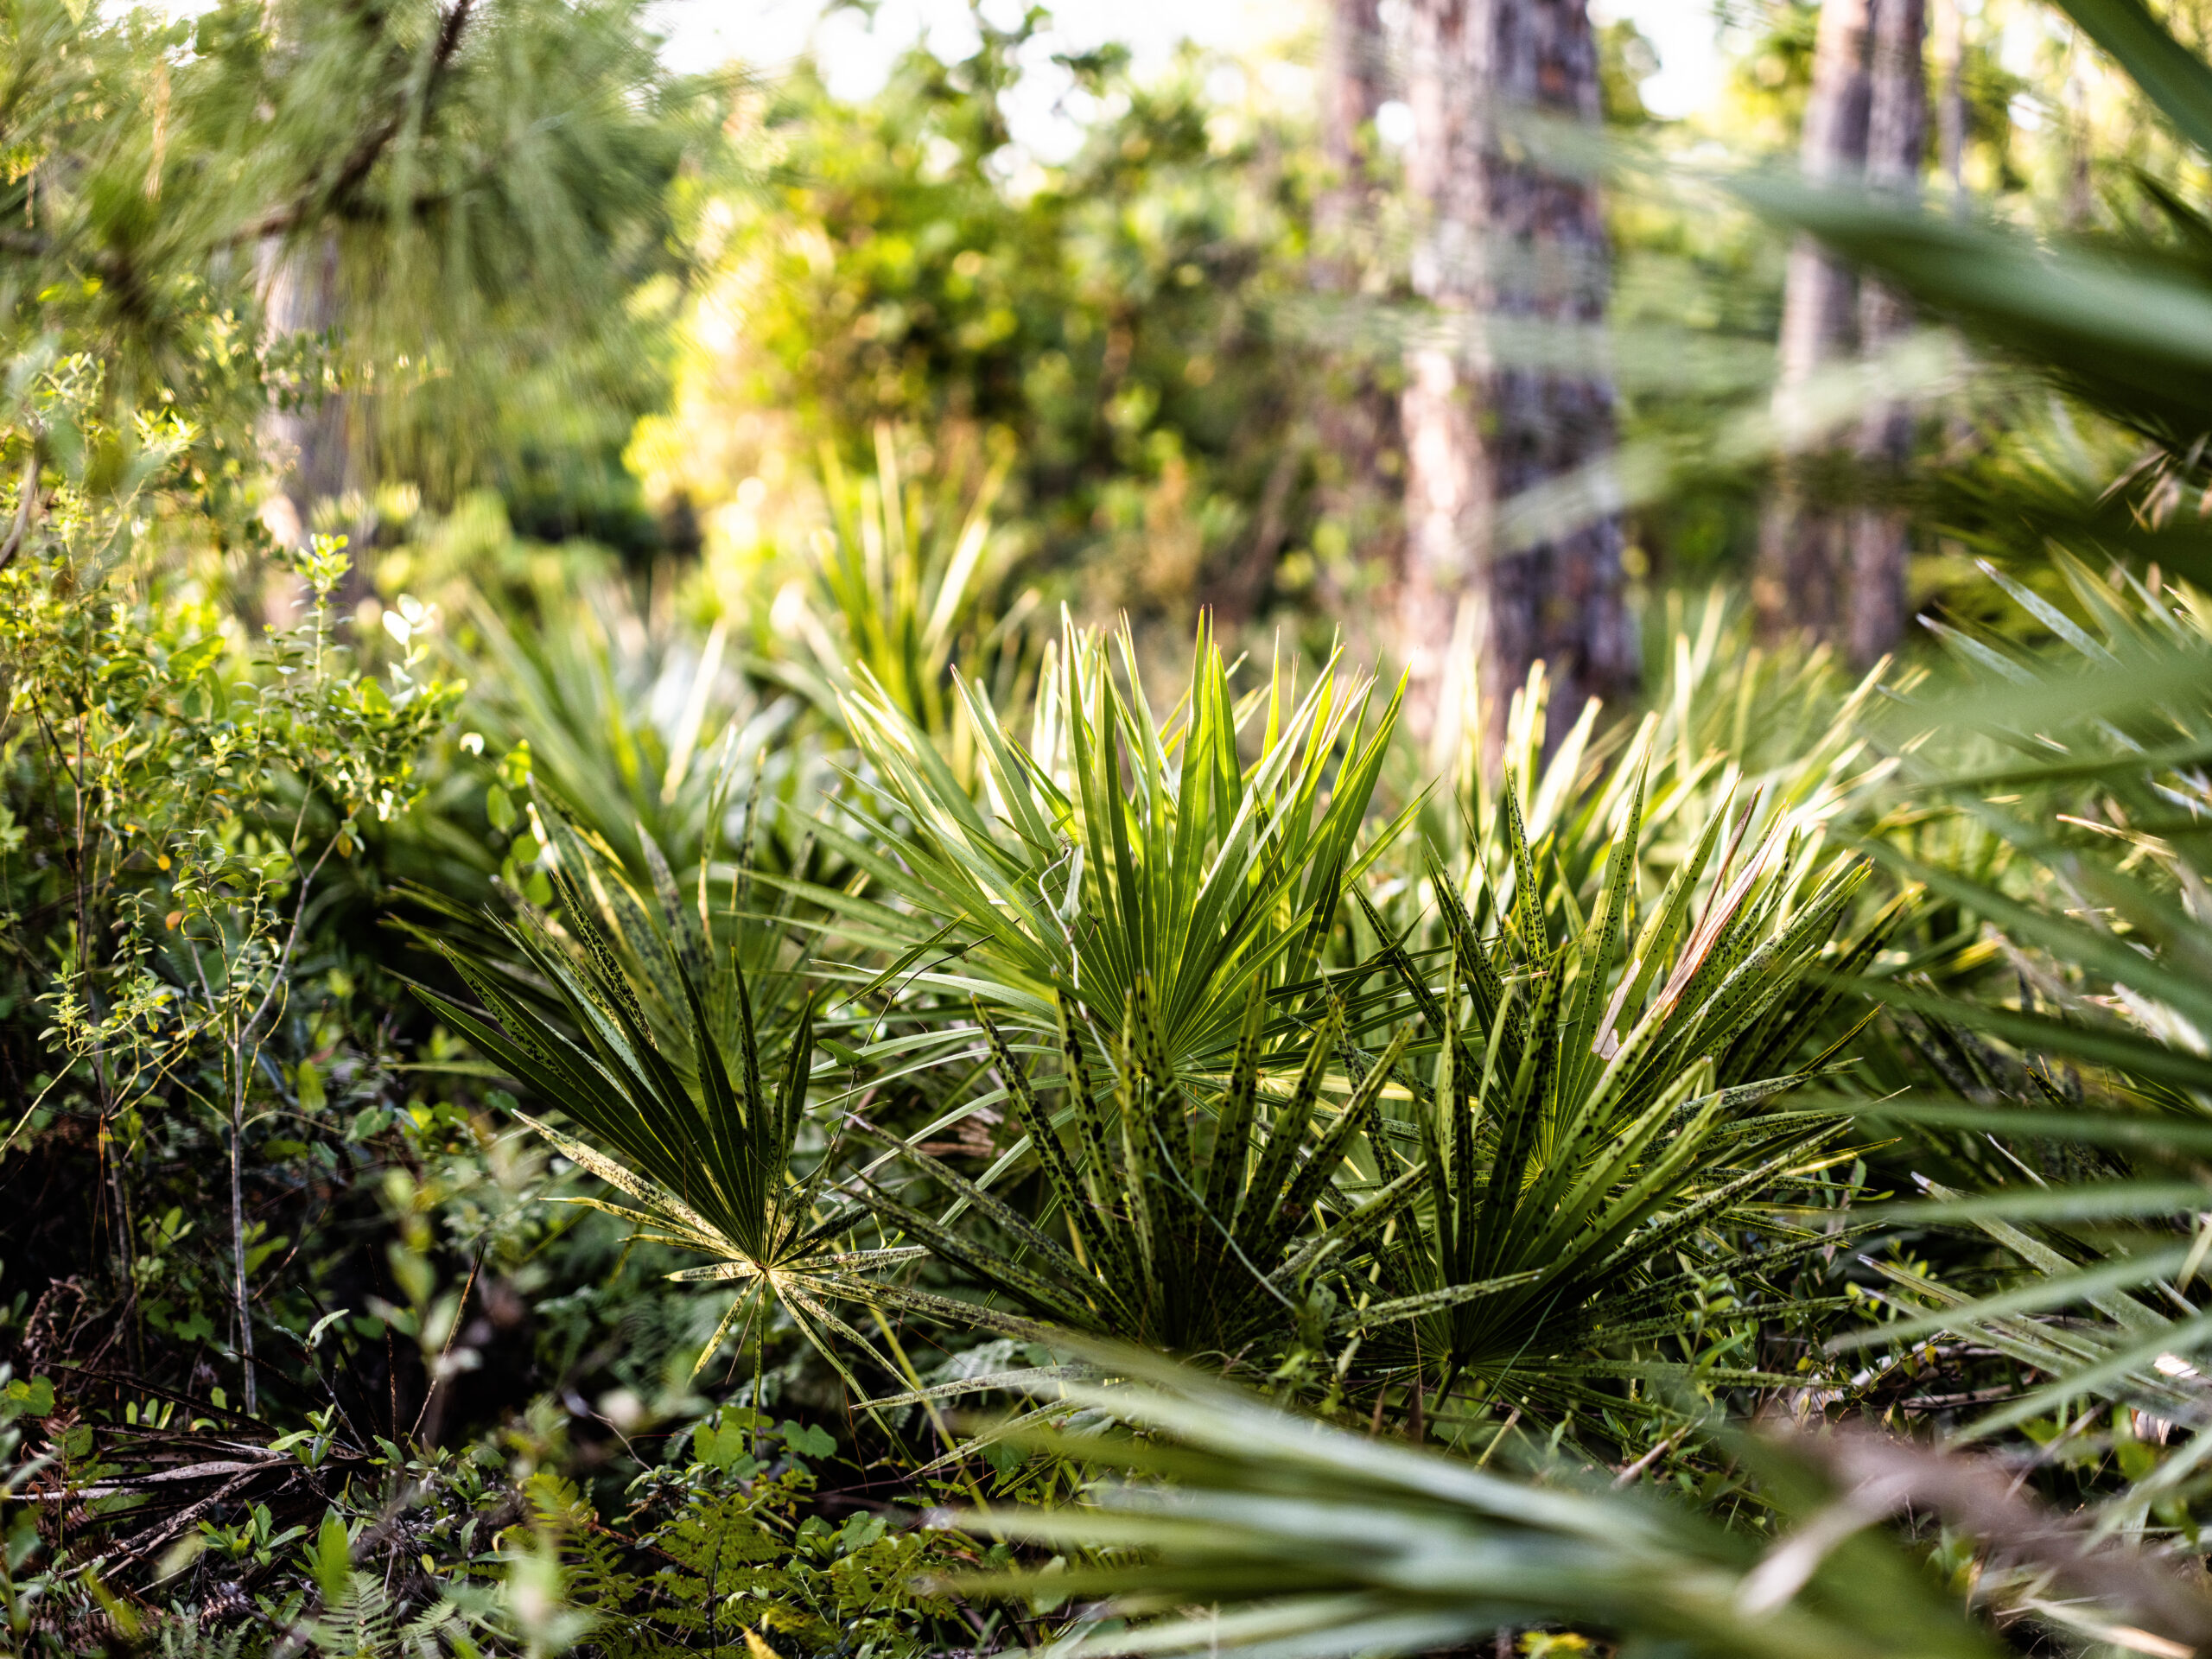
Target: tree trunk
[(1355, 424), (2081, 196), (1949, 31), (1354, 76), (1502, 236), (1897, 137), (1801, 541), (308, 444)]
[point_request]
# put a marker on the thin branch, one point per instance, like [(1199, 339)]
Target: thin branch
[(283, 962), (357, 166), (1628, 1476), (439, 1373), (26, 506)]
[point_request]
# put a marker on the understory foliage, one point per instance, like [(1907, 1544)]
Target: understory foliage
[(545, 1115)]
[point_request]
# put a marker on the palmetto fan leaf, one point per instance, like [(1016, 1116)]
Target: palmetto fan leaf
[(908, 580), (644, 1033), (1194, 1229), (1724, 717), (1117, 846), (1595, 1106), (588, 702), (2079, 824), (2090, 785), (1236, 1528)]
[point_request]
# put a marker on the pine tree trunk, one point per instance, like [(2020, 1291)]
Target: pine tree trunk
[(1897, 137), (1949, 32), (1356, 425), (308, 444), (1801, 541), (1354, 75), (1503, 236)]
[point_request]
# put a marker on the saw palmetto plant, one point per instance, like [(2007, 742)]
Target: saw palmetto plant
[(682, 1073), (1597, 1122), (2077, 1051), (1201, 1227), (639, 735), (1233, 1527), (1724, 717), (906, 573), (1119, 844)]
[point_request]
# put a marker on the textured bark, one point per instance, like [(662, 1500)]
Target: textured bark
[(1502, 236), (1949, 33), (1801, 543), (1354, 80), (309, 446), (1356, 422), (1897, 137)]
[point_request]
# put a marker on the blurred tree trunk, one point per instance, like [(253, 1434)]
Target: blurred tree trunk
[(1502, 237), (1356, 427), (2081, 197), (1353, 78), (1896, 138), (1801, 541), (307, 442), (1949, 32)]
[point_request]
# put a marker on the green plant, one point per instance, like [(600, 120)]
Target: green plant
[(1120, 846), (645, 1032), (907, 573), (1197, 1224), (206, 785), (1116, 326), (27, 1589), (1237, 1527), (2074, 1047), (453, 277), (639, 737), (1723, 717), (719, 1556), (1599, 1102)]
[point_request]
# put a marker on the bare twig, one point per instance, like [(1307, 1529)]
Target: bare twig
[(439, 1374), (145, 1543), (1630, 1475), (26, 506)]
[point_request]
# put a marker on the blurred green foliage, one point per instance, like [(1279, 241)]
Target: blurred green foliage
[(1301, 1051), (1114, 324)]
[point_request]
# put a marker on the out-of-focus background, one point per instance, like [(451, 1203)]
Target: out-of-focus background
[(1163, 279), (514, 509)]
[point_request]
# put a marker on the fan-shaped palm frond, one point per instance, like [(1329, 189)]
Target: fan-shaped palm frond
[(2077, 1050), (1727, 719), (640, 736), (1118, 845), (1195, 1226), (1596, 1104), (637, 1019), (1236, 1527), (907, 575)]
